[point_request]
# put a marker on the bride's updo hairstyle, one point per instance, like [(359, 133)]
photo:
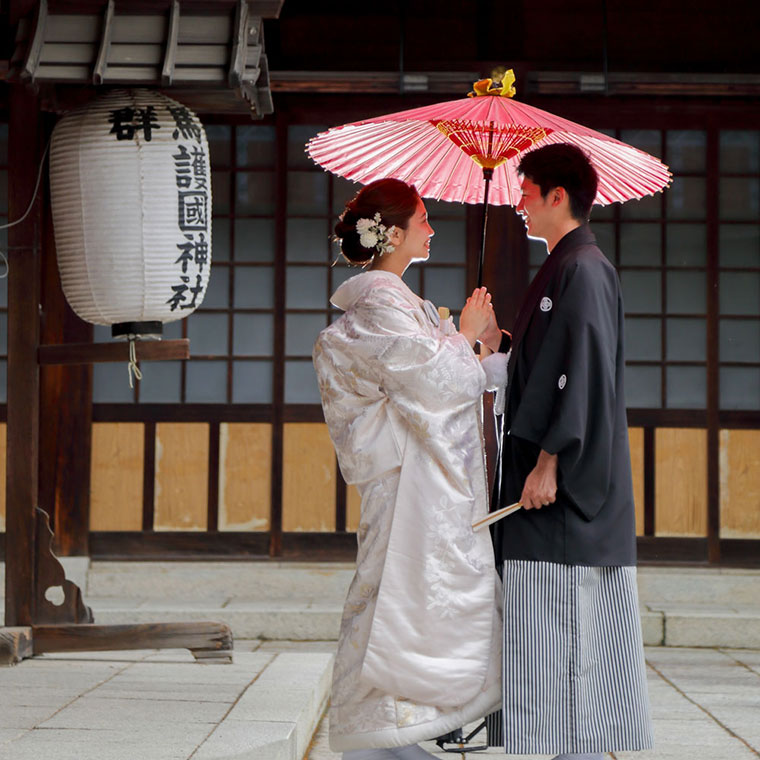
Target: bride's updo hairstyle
[(393, 199)]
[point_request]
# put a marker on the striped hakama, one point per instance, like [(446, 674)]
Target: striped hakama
[(574, 673)]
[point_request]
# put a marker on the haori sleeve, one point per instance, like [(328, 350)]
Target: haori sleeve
[(568, 406), (414, 364)]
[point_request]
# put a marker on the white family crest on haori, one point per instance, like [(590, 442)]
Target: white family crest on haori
[(546, 304), (130, 183)]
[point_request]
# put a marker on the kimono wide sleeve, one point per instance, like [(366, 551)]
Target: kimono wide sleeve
[(417, 367), (568, 405)]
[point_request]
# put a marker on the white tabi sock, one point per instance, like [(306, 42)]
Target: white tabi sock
[(412, 752), (573, 756), (369, 754)]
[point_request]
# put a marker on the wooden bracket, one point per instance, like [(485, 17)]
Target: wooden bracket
[(51, 575), (170, 54), (239, 45), (101, 62), (35, 47)]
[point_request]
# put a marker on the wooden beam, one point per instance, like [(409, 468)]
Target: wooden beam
[(352, 82), (672, 550), (134, 545), (65, 413), (202, 639), (24, 155), (96, 353), (712, 297)]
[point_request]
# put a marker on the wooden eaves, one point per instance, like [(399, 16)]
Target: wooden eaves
[(209, 56)]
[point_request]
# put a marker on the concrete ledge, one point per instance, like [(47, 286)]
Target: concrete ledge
[(726, 628), (653, 628), (263, 580), (699, 585), (291, 622), (694, 606), (275, 718)]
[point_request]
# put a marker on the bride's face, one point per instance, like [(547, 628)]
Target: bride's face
[(416, 237)]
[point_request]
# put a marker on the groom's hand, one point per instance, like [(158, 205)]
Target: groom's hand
[(540, 486), (492, 335)]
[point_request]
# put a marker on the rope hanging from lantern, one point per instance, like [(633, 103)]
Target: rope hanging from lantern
[(132, 368)]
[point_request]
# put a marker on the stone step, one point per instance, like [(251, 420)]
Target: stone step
[(267, 580), (277, 715), (271, 580), (681, 606), (677, 625), (262, 580), (292, 620), (699, 585)]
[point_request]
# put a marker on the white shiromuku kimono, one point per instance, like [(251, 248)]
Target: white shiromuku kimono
[(419, 652)]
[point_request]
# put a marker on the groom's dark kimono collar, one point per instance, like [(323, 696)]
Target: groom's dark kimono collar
[(579, 236)]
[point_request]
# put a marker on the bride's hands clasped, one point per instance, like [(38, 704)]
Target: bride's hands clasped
[(476, 315)]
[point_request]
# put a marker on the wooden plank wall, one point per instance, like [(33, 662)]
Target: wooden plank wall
[(636, 443), (310, 469), (681, 482), (181, 476), (116, 476), (740, 483), (245, 476), (308, 482)]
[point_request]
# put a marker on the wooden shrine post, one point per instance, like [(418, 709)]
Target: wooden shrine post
[(23, 373), (33, 623)]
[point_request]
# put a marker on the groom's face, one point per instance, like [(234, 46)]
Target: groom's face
[(535, 210)]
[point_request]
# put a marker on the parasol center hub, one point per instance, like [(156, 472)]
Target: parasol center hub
[(490, 144)]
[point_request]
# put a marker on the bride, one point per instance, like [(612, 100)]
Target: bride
[(419, 648)]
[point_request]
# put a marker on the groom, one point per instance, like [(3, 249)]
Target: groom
[(574, 676)]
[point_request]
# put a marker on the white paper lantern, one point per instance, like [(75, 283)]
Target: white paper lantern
[(130, 184)]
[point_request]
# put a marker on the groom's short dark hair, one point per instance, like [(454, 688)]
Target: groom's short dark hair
[(563, 165)]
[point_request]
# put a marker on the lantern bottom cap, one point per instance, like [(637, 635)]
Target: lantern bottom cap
[(137, 329)]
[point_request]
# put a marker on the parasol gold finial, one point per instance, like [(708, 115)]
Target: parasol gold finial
[(503, 89)]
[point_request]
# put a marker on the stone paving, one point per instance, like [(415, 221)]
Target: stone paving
[(149, 705), (163, 706), (152, 705), (705, 703)]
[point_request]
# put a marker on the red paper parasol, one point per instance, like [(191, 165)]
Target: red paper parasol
[(468, 150)]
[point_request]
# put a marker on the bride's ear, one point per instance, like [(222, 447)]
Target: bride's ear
[(397, 236)]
